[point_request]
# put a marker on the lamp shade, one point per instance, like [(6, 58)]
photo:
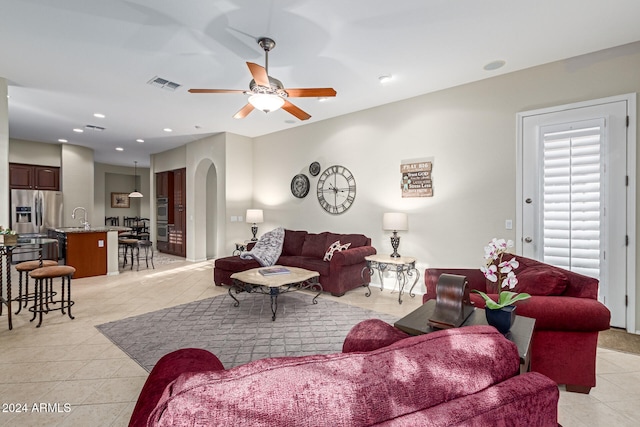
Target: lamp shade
[(135, 193), (266, 102), (395, 221), (254, 216)]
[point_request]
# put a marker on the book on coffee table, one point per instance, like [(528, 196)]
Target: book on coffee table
[(272, 271)]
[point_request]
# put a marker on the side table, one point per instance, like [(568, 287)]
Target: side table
[(521, 333), (404, 267)]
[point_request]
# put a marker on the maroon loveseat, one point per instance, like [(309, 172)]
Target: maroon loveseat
[(567, 312), (307, 250), (466, 376)]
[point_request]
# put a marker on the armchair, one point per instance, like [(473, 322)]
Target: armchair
[(567, 312)]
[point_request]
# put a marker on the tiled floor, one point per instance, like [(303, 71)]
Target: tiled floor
[(66, 373)]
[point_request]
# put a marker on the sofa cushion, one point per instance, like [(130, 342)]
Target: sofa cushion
[(371, 334), (293, 241), (344, 389), (335, 247), (356, 240), (541, 280), (235, 264), (314, 264), (315, 245)]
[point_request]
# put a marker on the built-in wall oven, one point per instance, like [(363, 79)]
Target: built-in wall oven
[(162, 218), (163, 232), (162, 209)]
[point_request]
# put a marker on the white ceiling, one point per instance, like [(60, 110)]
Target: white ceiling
[(68, 59)]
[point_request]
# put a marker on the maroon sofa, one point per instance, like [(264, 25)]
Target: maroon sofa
[(567, 312), (466, 376), (307, 250)]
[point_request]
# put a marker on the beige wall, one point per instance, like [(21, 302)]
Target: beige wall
[(34, 153), (77, 183), (4, 153), (219, 186), (469, 130)]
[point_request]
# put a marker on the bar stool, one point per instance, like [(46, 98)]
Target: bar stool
[(25, 268), (43, 295), (127, 243), (147, 245)]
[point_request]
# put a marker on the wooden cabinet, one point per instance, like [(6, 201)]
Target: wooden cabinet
[(34, 177), (173, 186), (164, 184), (178, 232), (87, 253)]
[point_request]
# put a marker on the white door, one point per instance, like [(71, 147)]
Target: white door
[(573, 194)]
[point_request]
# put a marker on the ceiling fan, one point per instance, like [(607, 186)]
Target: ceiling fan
[(268, 93)]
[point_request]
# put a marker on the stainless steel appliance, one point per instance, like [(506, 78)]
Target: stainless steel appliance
[(163, 232), (32, 213), (162, 217), (162, 209)]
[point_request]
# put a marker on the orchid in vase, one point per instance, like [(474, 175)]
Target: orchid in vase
[(501, 270)]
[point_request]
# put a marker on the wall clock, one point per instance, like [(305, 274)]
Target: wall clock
[(336, 189), (314, 168), (300, 186)]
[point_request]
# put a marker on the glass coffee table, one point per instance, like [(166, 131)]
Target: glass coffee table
[(295, 279), (417, 323)]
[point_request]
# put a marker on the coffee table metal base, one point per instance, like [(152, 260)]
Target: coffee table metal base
[(273, 291)]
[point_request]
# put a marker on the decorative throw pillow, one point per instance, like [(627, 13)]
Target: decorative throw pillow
[(541, 280), (335, 246)]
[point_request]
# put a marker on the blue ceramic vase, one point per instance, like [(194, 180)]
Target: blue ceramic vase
[(501, 318)]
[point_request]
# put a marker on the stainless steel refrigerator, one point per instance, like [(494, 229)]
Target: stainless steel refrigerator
[(33, 212)]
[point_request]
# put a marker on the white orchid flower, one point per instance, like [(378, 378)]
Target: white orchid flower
[(510, 281), (490, 272), (508, 266)]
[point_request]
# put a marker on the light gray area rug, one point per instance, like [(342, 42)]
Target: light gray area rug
[(237, 335)]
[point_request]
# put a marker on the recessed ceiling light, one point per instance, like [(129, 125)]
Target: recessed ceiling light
[(494, 65), (78, 130), (62, 140), (290, 122), (167, 130), (385, 79), (99, 115), (140, 140), (323, 99), (119, 149)]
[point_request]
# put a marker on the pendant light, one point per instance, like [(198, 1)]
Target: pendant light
[(135, 192)]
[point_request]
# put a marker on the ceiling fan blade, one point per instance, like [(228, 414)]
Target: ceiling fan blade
[(215, 91), (244, 112), (292, 109), (259, 74), (311, 92)]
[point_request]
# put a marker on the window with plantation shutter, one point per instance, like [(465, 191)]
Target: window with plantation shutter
[(572, 196)]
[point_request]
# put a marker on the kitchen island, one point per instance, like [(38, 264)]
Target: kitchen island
[(92, 251)]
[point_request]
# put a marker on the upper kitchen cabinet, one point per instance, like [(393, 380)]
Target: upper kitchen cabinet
[(164, 184), (34, 177)]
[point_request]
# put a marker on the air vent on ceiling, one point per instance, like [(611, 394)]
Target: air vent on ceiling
[(163, 83), (93, 127)]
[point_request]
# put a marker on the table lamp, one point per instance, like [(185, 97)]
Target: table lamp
[(395, 221), (254, 216)]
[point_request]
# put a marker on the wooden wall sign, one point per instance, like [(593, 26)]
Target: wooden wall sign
[(416, 178)]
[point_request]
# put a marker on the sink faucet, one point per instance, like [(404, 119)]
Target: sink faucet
[(84, 221)]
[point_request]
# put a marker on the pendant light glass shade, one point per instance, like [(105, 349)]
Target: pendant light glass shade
[(135, 193)]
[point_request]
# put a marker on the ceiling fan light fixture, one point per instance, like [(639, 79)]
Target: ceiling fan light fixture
[(266, 102)]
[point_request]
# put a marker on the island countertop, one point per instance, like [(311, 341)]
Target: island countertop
[(91, 229)]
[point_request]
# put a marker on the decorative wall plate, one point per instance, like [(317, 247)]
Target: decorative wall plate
[(336, 189), (314, 168), (300, 186)]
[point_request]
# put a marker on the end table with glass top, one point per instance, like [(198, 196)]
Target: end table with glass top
[(403, 266)]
